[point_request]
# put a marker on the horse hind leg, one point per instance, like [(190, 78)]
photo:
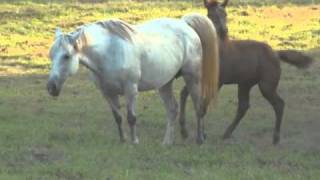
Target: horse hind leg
[(200, 107), (268, 91), (182, 115), (171, 106), (243, 106)]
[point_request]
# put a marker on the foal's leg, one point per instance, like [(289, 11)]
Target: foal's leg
[(182, 116), (268, 91), (171, 106), (243, 106), (131, 92)]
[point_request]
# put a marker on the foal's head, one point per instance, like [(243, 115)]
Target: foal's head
[(218, 15)]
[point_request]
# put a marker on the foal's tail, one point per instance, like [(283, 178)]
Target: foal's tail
[(210, 52), (295, 58)]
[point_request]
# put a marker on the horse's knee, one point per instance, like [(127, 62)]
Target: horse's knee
[(184, 92), (131, 119), (173, 110), (202, 110), (117, 117), (274, 99), (278, 103)]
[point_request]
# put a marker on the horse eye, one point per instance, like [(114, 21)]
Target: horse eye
[(66, 56)]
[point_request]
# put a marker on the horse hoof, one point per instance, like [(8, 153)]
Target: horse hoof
[(184, 134), (135, 141), (200, 140), (226, 136), (168, 140), (167, 143), (122, 140)]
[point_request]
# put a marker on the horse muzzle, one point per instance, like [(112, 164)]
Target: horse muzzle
[(53, 87)]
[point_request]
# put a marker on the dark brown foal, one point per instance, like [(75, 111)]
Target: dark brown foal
[(247, 63)]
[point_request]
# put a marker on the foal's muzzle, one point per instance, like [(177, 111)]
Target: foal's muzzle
[(53, 87)]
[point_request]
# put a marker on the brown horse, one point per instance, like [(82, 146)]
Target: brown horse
[(247, 63)]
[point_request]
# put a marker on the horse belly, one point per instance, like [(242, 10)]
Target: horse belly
[(157, 69), (240, 69)]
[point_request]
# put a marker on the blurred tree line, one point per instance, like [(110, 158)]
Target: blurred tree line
[(232, 2)]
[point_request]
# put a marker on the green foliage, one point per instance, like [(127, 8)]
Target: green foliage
[(233, 2), (27, 29)]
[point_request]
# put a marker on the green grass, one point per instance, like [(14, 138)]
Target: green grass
[(75, 136)]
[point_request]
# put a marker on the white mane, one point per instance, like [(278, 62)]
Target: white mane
[(119, 28)]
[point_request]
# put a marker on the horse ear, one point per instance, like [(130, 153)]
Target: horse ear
[(205, 2), (225, 3), (58, 32), (78, 41), (209, 3)]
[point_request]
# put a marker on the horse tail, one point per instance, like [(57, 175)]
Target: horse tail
[(295, 58), (210, 54)]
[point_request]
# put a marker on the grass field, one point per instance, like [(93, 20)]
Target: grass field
[(75, 136)]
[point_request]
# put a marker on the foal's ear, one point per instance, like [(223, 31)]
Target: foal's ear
[(209, 3), (58, 32), (206, 4), (225, 3)]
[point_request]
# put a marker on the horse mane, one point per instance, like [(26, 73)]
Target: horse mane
[(119, 28), (79, 39)]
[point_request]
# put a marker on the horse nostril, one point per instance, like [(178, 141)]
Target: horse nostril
[(52, 88)]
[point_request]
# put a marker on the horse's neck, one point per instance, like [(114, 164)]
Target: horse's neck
[(89, 65), (224, 43)]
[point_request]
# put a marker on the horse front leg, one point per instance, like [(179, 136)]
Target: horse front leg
[(115, 107), (131, 93)]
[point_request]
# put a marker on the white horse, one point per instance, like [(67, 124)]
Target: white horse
[(125, 59)]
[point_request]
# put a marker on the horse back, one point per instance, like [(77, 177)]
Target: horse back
[(167, 45), (246, 60)]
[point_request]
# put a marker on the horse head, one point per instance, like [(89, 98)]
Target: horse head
[(218, 15), (64, 60)]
